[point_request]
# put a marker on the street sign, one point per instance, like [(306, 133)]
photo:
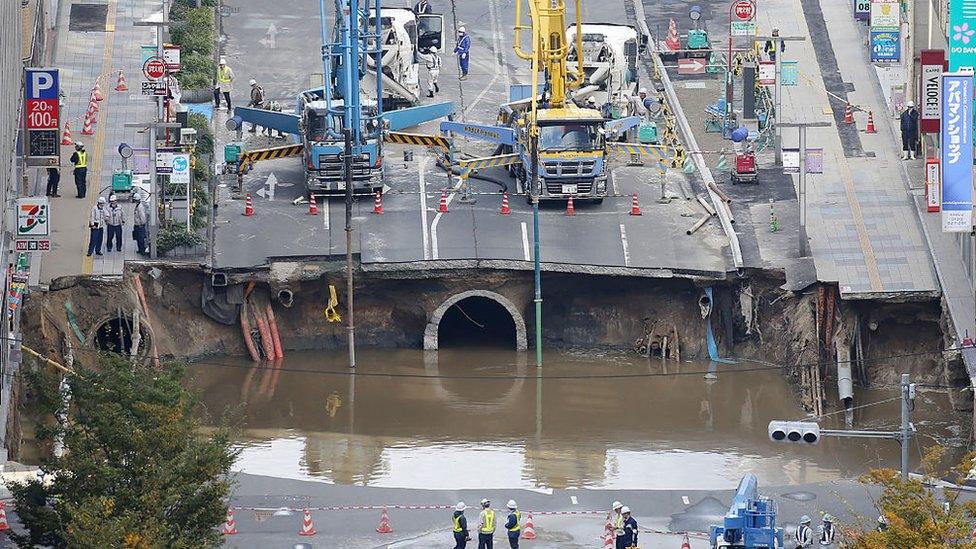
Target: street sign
[(962, 35), (930, 90), (957, 152), (885, 14), (33, 216), (932, 190), (171, 57), (862, 10), (767, 73), (743, 28), (154, 68), (153, 87), (42, 115), (691, 66), (181, 169), (813, 163), (885, 46), (33, 245), (164, 162), (789, 72), (744, 10)]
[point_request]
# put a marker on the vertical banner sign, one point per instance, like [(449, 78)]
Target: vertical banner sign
[(962, 35), (930, 90), (932, 190), (957, 152), (42, 116), (885, 45)]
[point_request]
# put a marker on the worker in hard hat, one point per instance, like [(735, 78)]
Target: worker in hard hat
[(486, 526), (460, 526), (629, 527), (827, 531), (513, 524), (140, 219), (433, 63), (80, 161), (115, 218), (463, 50), (223, 84), (882, 524), (96, 226), (617, 521), (803, 533)]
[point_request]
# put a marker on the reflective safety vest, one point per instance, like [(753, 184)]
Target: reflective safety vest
[(618, 524), (489, 525), (223, 74), (82, 159), (457, 524), (518, 522), (803, 535), (826, 534)]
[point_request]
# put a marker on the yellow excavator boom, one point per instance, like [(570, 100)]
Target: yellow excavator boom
[(547, 23)]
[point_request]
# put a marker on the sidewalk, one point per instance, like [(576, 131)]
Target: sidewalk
[(82, 56)]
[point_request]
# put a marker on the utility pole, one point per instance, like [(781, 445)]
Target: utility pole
[(778, 88), (350, 325), (801, 193), (536, 190)]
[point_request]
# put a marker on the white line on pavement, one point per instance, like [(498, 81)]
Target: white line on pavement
[(685, 500), (571, 498), (525, 242), (423, 205), (613, 179), (325, 213), (623, 240)]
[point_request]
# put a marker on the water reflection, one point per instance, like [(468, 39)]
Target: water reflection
[(489, 418)]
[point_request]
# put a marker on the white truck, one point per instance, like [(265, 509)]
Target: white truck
[(405, 37), (611, 55)]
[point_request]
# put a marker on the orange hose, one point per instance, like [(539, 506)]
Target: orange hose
[(265, 336), (246, 328), (145, 310), (279, 353)]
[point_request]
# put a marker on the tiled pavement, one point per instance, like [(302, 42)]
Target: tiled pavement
[(83, 56)]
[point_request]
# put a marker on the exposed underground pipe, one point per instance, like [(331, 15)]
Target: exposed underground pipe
[(265, 332), (145, 310), (719, 192), (246, 331), (269, 312), (286, 297)]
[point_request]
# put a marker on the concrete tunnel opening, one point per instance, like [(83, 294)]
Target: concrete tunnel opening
[(476, 322), (114, 335)]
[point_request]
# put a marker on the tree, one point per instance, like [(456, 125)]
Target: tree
[(916, 516), (135, 472)]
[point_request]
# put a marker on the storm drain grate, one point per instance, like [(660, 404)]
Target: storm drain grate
[(88, 17)]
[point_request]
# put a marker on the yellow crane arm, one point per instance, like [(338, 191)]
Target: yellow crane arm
[(549, 47)]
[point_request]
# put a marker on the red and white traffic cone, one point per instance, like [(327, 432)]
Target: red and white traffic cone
[(686, 543), (635, 206), (121, 86), (570, 209), (443, 206), (672, 40), (848, 114), (528, 531), (608, 541), (870, 128), (87, 129), (92, 103), (308, 529), (506, 210), (66, 135), (248, 205), (313, 206), (97, 91), (230, 527), (384, 527), (4, 526), (378, 203)]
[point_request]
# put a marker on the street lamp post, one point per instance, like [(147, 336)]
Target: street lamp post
[(778, 87), (801, 194)]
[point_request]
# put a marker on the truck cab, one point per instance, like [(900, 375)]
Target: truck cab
[(323, 148)]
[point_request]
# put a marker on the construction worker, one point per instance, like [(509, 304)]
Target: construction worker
[(462, 50), (629, 539), (770, 46), (486, 526), (617, 521), (882, 524), (53, 178), (433, 63), (827, 531), (423, 7), (80, 161), (96, 227), (460, 523), (513, 524), (115, 218), (257, 100), (803, 533), (139, 220), (909, 131), (224, 85), (591, 103)]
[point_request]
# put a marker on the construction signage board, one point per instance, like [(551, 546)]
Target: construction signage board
[(691, 65), (885, 45), (743, 28), (957, 152), (932, 191), (930, 90), (885, 14), (42, 115), (962, 34), (33, 217), (767, 73), (862, 10)]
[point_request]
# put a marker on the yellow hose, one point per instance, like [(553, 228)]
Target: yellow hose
[(331, 314)]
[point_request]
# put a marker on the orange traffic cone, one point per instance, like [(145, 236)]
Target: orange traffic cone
[(528, 531), (313, 206), (635, 206), (848, 114), (4, 526), (870, 128), (506, 210), (384, 527), (121, 86), (672, 40), (230, 527), (97, 91), (443, 206), (608, 541), (307, 528), (66, 135), (570, 209), (248, 205), (686, 543), (378, 203), (608, 527), (93, 103), (86, 129)]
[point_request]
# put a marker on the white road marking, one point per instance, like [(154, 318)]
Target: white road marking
[(685, 500), (623, 240), (437, 218), (325, 213), (525, 242), (423, 205), (572, 498), (613, 176)]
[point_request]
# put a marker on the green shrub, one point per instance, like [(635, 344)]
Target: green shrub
[(205, 138), (195, 34), (174, 236)]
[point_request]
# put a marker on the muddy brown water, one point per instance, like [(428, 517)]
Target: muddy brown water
[(480, 418)]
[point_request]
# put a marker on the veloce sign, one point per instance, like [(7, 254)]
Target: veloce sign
[(930, 90)]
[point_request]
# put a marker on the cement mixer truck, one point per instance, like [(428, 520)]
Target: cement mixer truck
[(404, 38), (611, 55)]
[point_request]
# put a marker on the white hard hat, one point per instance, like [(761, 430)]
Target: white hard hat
[(101, 200), (624, 510), (460, 506), (616, 505), (136, 196), (804, 520), (252, 81), (882, 519), (643, 90), (590, 100), (511, 504), (485, 502), (461, 28), (433, 49), (113, 198), (910, 104), (223, 61), (828, 518)]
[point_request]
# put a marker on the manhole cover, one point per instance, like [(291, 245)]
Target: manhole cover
[(88, 17), (799, 496)]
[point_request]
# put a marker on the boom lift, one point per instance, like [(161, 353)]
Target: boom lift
[(750, 522)]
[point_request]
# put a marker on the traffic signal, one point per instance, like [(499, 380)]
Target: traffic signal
[(794, 431)]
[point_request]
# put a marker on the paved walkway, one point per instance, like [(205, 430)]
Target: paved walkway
[(83, 56), (862, 226)]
